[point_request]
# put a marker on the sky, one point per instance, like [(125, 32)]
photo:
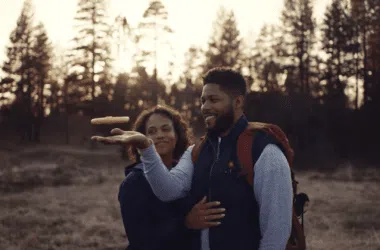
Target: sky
[(191, 20)]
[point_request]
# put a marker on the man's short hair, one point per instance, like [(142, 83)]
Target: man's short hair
[(231, 81)]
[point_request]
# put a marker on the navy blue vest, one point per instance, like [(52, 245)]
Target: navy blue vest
[(216, 175)]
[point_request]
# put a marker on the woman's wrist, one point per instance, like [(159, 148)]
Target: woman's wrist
[(145, 144)]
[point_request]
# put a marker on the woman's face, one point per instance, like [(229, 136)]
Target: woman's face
[(160, 129)]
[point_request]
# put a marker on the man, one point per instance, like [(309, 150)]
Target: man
[(254, 217)]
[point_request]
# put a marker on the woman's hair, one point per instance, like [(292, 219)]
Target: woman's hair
[(181, 130)]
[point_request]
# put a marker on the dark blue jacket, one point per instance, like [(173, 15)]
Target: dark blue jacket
[(214, 177), (149, 223)]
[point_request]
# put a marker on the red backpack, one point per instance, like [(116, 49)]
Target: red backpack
[(244, 153)]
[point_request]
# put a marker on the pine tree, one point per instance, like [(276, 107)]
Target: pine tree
[(366, 16), (5, 91), (224, 47), (120, 94), (154, 33), (193, 65), (374, 51), (42, 66), (298, 25), (337, 32), (266, 59), (91, 60), (123, 38), (18, 64), (60, 70), (19, 69)]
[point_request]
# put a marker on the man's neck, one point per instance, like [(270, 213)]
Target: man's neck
[(236, 119), (228, 131)]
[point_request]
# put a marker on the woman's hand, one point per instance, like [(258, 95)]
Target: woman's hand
[(126, 138), (204, 215)]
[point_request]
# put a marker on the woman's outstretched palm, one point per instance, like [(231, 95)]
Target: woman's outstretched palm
[(122, 137)]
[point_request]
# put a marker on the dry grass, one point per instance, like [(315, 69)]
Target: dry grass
[(64, 198), (61, 200), (344, 212)]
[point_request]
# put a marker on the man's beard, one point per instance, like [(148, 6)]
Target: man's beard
[(223, 122)]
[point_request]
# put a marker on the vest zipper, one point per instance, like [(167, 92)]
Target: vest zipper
[(212, 166)]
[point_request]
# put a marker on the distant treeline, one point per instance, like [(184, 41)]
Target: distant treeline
[(319, 81)]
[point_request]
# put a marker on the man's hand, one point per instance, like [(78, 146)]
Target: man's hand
[(125, 138), (203, 215)]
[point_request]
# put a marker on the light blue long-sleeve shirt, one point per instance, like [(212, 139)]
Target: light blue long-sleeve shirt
[(272, 189)]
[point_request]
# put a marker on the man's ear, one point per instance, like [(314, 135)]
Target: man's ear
[(239, 102)]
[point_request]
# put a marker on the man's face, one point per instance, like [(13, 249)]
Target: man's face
[(217, 109)]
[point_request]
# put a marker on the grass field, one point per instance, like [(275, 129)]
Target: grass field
[(66, 198)]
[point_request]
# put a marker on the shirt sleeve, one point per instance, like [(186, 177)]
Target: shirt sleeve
[(168, 185), (273, 192)]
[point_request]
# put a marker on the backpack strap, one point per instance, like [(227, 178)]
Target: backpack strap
[(278, 135), (297, 237), (245, 141), (244, 154)]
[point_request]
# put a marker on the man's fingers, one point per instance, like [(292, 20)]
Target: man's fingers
[(210, 204), (214, 217), (214, 211), (212, 224), (203, 200)]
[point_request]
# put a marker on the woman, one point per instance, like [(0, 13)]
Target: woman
[(149, 223)]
